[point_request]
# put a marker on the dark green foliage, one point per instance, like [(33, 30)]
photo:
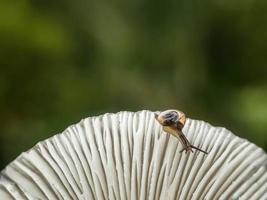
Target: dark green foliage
[(65, 60)]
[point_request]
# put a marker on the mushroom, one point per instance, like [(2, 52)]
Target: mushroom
[(127, 156)]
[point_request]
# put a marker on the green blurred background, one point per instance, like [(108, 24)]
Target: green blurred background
[(64, 60)]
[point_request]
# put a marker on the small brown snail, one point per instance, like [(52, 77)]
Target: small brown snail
[(173, 122)]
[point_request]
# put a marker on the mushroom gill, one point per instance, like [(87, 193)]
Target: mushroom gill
[(128, 156)]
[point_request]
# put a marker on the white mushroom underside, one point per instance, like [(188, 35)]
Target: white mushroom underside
[(128, 156)]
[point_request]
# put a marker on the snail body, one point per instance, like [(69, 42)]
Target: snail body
[(173, 122)]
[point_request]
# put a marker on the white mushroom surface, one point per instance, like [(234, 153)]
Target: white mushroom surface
[(128, 156)]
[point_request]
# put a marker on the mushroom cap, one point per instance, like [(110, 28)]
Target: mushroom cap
[(127, 156)]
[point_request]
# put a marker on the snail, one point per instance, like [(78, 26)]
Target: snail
[(173, 122)]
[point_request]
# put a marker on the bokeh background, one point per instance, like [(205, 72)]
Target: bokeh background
[(64, 60)]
